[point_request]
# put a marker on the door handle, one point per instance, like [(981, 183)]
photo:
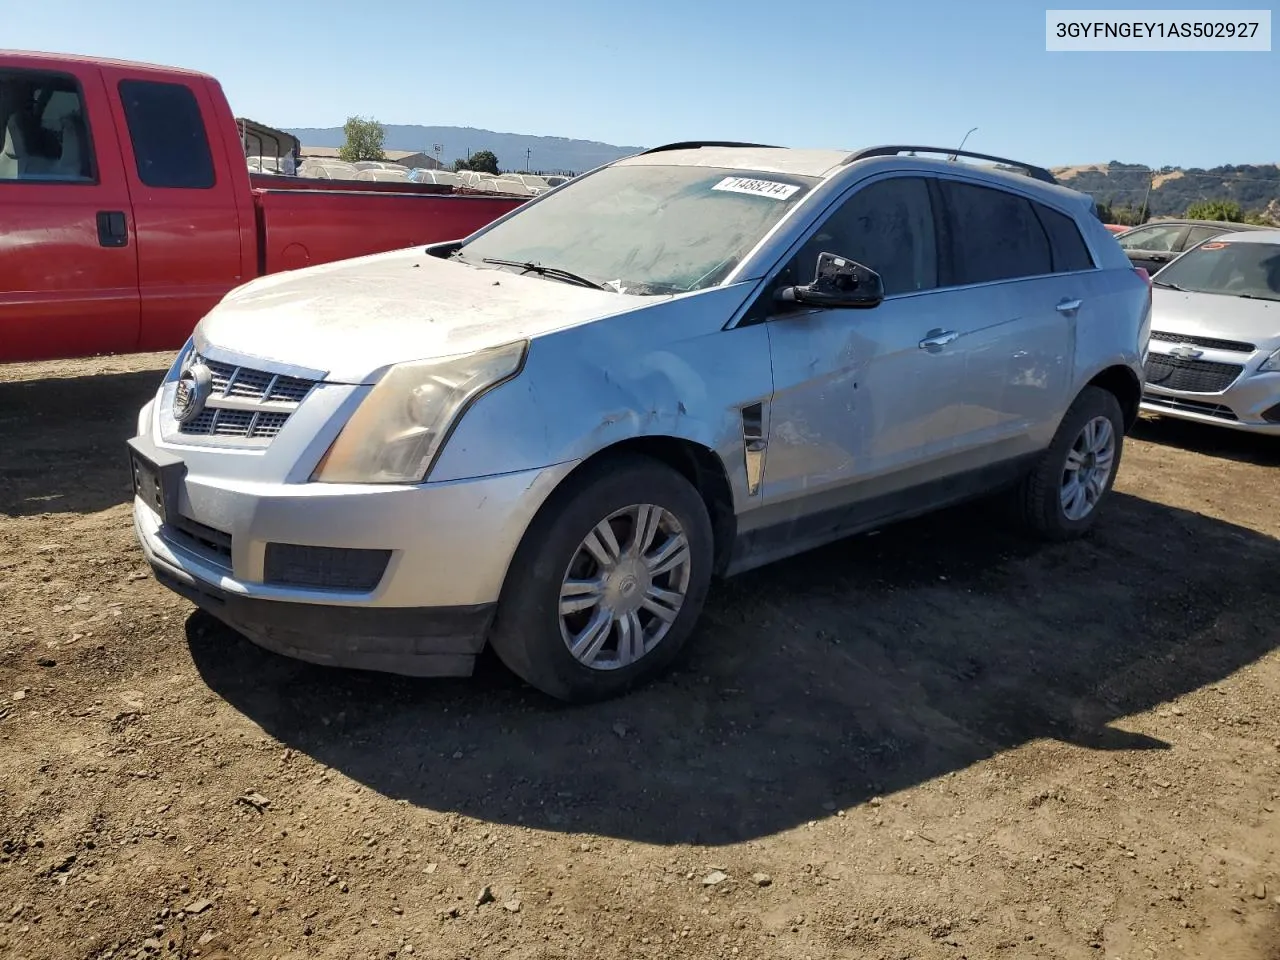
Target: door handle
[(937, 338), (113, 229), (1068, 306)]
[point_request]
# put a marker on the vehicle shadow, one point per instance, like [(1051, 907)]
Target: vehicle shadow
[(1210, 440), (816, 683), (57, 434)]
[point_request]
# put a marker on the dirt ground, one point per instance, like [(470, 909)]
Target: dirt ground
[(940, 741)]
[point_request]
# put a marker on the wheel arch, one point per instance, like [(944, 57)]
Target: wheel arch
[(1121, 382), (698, 464)]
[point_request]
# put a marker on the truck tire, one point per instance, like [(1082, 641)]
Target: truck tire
[(607, 583), (1060, 498)]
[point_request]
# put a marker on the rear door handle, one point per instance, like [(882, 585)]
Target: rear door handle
[(937, 338), (1069, 306), (113, 228)]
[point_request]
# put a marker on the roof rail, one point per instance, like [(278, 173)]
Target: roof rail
[(1036, 173), (697, 144)]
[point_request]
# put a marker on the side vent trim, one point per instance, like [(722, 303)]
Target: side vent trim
[(753, 445)]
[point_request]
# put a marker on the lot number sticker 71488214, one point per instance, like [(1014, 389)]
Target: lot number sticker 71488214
[(758, 188)]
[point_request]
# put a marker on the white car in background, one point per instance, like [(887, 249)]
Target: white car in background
[(317, 168), (534, 184), (1214, 354)]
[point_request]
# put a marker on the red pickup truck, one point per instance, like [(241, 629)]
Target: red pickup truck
[(127, 209)]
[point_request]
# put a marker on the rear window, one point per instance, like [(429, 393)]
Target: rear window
[(1232, 269), (170, 146)]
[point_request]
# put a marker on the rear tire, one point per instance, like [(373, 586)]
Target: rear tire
[(587, 614), (1061, 497)]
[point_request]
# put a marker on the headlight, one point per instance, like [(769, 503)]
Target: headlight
[(398, 429), (1271, 364)]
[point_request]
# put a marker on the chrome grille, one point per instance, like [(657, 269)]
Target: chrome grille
[(231, 381), (246, 403), (1213, 343)]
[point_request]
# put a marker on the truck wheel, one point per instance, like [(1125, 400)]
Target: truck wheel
[(1060, 498), (608, 582)]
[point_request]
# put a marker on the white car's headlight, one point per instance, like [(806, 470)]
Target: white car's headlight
[(1271, 364), (398, 429)]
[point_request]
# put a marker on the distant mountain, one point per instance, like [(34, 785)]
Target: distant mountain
[(549, 154), (1256, 187)]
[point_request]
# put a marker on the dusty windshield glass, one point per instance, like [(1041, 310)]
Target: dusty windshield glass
[(645, 229), (1232, 269)]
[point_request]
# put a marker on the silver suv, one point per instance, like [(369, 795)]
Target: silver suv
[(551, 435)]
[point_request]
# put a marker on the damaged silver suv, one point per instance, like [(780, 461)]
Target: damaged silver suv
[(551, 435)]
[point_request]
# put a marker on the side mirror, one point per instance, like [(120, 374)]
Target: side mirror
[(838, 282)]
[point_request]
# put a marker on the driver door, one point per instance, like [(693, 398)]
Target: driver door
[(862, 396)]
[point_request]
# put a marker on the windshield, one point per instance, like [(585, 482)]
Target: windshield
[(1231, 269), (645, 229)]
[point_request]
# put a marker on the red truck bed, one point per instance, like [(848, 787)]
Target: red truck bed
[(129, 211), (302, 227)]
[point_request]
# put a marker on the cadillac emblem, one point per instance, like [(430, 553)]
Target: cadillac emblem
[(194, 387)]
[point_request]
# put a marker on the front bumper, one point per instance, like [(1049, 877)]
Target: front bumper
[(430, 642), (1246, 405), (446, 549)]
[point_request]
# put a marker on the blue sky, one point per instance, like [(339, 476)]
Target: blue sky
[(843, 75)]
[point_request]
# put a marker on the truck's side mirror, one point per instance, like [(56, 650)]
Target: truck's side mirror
[(838, 282)]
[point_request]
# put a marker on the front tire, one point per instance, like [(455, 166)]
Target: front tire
[(608, 581), (1061, 497)]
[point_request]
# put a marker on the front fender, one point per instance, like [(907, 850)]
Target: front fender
[(664, 371)]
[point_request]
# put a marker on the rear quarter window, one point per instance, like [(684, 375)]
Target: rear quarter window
[(170, 145), (1067, 248)]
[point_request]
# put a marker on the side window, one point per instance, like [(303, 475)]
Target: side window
[(887, 226), (994, 235), (167, 130), (1066, 246), (1159, 239), (43, 133), (1198, 235)]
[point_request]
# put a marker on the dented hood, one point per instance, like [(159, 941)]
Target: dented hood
[(353, 318)]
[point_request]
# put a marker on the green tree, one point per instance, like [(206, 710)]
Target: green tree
[(482, 161), (1227, 210), (364, 137), (1125, 216)]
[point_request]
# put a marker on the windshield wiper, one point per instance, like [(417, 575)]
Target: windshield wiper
[(1254, 296), (1166, 283), (554, 272)]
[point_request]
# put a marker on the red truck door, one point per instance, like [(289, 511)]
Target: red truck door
[(189, 198), (68, 256)]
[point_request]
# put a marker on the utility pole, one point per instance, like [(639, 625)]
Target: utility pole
[(528, 152), (1142, 214)]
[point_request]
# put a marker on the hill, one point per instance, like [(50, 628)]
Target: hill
[(545, 153), (1255, 187)]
